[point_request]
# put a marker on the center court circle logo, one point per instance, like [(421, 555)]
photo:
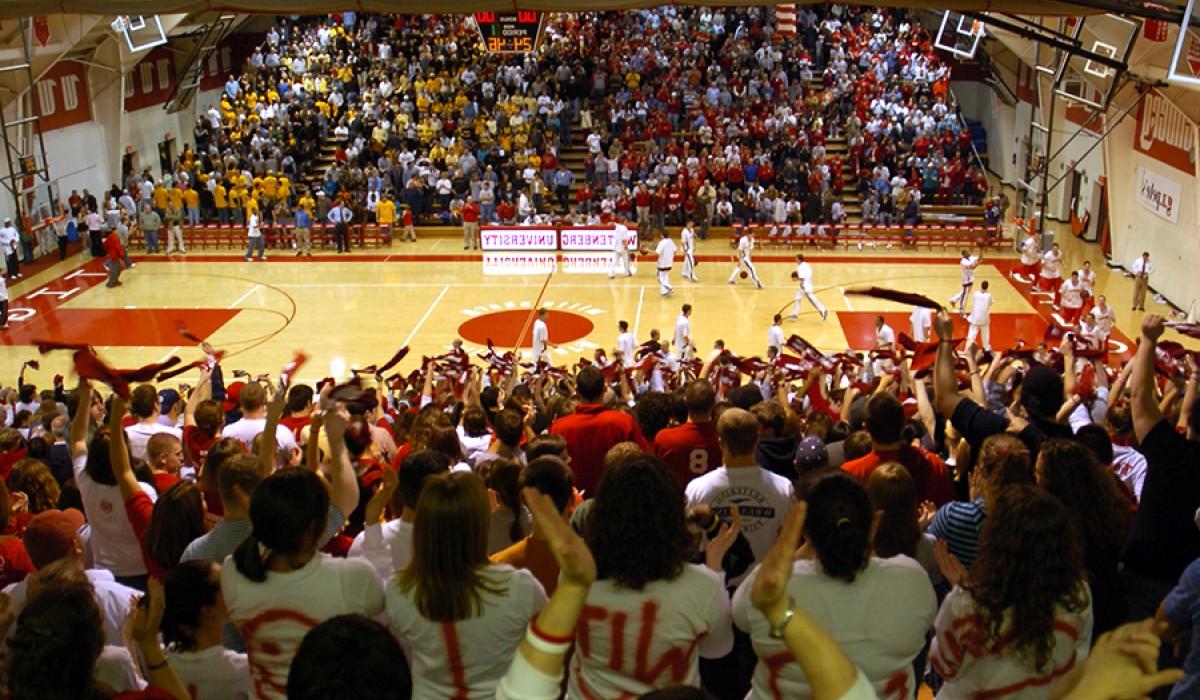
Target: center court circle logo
[(504, 327)]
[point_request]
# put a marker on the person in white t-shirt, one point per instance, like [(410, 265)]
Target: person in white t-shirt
[(1141, 269), (277, 586), (742, 261), (462, 616), (804, 276), (650, 615), (1070, 294), (253, 402), (683, 333), (620, 252), (968, 263), (981, 317), (193, 619), (666, 259), (762, 497), (626, 342), (885, 337), (1051, 271), (1104, 317), (687, 242), (921, 320), (1031, 258), (877, 610), (144, 406), (389, 546), (541, 337), (775, 335)]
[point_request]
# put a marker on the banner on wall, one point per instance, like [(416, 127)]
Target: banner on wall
[(1165, 133), (151, 80), (228, 59), (62, 96), (1158, 194)]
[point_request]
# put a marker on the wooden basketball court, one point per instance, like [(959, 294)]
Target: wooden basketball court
[(352, 310)]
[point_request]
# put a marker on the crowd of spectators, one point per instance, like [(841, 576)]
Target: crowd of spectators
[(803, 526)]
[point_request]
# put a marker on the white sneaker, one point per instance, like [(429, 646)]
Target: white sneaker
[(824, 314)]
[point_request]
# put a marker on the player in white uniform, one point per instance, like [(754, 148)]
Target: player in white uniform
[(775, 335), (981, 317), (1104, 317), (1051, 273), (1071, 298), (885, 339), (626, 343), (683, 333), (666, 258), (742, 261), (968, 264), (804, 275), (620, 253), (687, 241), (921, 320), (1031, 255), (541, 338)]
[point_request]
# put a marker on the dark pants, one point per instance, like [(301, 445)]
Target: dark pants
[(729, 676), (114, 273), (341, 237), (62, 247), (95, 244), (3, 312), (13, 263)]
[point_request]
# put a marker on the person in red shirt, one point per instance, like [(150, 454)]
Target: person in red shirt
[(115, 254), (15, 563), (551, 476), (470, 224), (692, 449), (885, 420), (593, 429), (164, 452), (507, 212), (299, 409)]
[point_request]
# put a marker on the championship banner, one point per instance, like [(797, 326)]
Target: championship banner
[(518, 238), (151, 80), (1165, 133), (62, 96), (593, 238), (1158, 194)]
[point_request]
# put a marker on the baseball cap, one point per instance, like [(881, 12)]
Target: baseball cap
[(811, 455), (50, 534), (167, 398), (233, 395)]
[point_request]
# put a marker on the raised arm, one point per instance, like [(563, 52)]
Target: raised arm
[(118, 452), (1142, 404), (945, 384), (343, 485), (268, 443), (977, 392), (201, 392), (1189, 395), (79, 422)]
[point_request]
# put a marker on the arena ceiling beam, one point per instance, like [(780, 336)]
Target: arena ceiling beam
[(25, 8)]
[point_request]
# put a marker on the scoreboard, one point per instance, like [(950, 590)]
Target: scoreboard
[(509, 32)]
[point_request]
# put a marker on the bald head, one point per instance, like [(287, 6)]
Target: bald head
[(738, 430)]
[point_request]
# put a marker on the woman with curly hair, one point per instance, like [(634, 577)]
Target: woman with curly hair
[(1022, 615), (33, 478), (877, 610), (1069, 471), (650, 614)]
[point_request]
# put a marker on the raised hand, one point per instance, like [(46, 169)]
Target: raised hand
[(574, 559)]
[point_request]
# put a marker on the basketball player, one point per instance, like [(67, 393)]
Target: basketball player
[(742, 262), (1049, 279), (981, 317), (626, 343), (1031, 255), (541, 338), (683, 333), (1070, 294), (666, 258), (804, 275), (775, 335), (968, 264), (687, 240), (620, 253)]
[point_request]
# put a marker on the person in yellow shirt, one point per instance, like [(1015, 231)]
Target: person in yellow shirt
[(270, 186), (175, 197), (284, 193), (385, 215), (191, 201), (237, 200), (221, 202), (307, 203)]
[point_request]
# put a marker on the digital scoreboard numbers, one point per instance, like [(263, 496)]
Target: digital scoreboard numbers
[(509, 32)]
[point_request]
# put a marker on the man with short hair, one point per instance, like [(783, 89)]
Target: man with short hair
[(684, 347), (762, 497), (687, 242), (593, 429), (1070, 294), (253, 401), (1141, 269), (691, 449), (666, 259), (742, 262), (981, 317), (150, 222), (620, 251), (389, 546), (885, 422), (341, 216), (775, 335), (164, 454), (804, 276), (541, 337), (144, 406), (509, 429), (968, 263), (470, 224), (9, 238), (626, 343)]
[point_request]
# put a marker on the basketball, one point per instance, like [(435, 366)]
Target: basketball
[(744, 274), (795, 275)]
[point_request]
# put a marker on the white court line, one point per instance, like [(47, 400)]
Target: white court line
[(243, 297), (500, 282), (428, 311), (170, 352), (846, 298), (637, 320)]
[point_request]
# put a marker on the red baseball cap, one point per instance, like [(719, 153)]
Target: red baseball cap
[(233, 395), (50, 535)]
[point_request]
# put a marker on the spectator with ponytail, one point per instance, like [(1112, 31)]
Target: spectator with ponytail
[(877, 610), (193, 621), (463, 616), (277, 586), (509, 520)]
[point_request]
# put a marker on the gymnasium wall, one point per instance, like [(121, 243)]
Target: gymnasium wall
[(1144, 156)]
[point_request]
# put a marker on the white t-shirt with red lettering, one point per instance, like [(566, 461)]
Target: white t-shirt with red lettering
[(880, 621), (273, 616), (467, 658), (664, 629)]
